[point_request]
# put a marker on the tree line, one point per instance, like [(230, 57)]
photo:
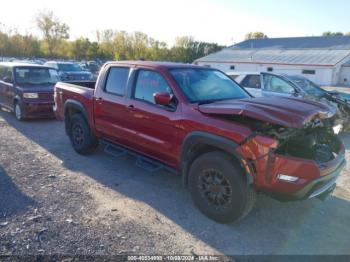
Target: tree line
[(261, 35), (110, 44), (329, 33)]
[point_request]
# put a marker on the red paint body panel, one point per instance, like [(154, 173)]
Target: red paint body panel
[(159, 134), (284, 111), (74, 92)]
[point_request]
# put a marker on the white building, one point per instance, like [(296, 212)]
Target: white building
[(324, 60)]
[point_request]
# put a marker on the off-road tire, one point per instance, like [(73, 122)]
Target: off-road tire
[(243, 195), (82, 139)]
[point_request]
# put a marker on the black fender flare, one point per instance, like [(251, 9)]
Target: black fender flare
[(76, 105), (221, 143)]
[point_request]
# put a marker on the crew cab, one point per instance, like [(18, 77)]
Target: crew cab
[(27, 89), (226, 145)]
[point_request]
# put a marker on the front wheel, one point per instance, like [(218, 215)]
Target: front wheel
[(82, 139), (18, 112), (219, 189)]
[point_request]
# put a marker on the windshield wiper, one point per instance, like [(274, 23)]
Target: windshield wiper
[(46, 83), (208, 101)]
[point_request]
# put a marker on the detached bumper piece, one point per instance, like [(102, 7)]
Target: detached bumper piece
[(321, 185), (319, 188)]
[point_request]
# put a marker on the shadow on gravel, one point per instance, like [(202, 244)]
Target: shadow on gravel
[(308, 227), (9, 193)]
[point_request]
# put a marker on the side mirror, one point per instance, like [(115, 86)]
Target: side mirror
[(163, 98), (7, 79)]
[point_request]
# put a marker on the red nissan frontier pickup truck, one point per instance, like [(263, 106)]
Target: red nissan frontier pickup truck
[(226, 145)]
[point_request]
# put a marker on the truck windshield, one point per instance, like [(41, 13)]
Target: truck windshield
[(36, 76), (206, 85), (69, 67)]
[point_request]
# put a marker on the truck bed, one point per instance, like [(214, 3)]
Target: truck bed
[(88, 84), (81, 91)]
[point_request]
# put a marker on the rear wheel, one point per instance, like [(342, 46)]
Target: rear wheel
[(219, 188), (18, 111), (82, 139)]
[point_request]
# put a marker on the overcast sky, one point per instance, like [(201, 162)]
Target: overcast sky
[(221, 21)]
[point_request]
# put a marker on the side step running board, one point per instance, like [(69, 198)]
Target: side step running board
[(114, 150), (143, 162), (148, 164)]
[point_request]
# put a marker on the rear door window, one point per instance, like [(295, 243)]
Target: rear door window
[(252, 81), (117, 80)]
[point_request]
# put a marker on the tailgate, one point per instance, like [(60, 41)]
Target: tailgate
[(73, 92)]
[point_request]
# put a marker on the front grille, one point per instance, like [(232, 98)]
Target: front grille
[(323, 153), (46, 96)]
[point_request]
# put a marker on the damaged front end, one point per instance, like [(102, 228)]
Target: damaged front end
[(317, 141), (341, 105), (293, 163), (318, 144), (343, 112), (292, 150)]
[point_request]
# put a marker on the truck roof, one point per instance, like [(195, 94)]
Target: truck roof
[(154, 64)]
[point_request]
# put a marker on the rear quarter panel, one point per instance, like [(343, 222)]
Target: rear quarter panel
[(83, 95)]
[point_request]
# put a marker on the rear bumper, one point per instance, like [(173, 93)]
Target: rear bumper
[(38, 109)]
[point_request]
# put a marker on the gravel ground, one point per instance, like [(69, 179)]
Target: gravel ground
[(54, 201)]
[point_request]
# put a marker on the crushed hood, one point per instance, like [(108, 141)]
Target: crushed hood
[(284, 111)]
